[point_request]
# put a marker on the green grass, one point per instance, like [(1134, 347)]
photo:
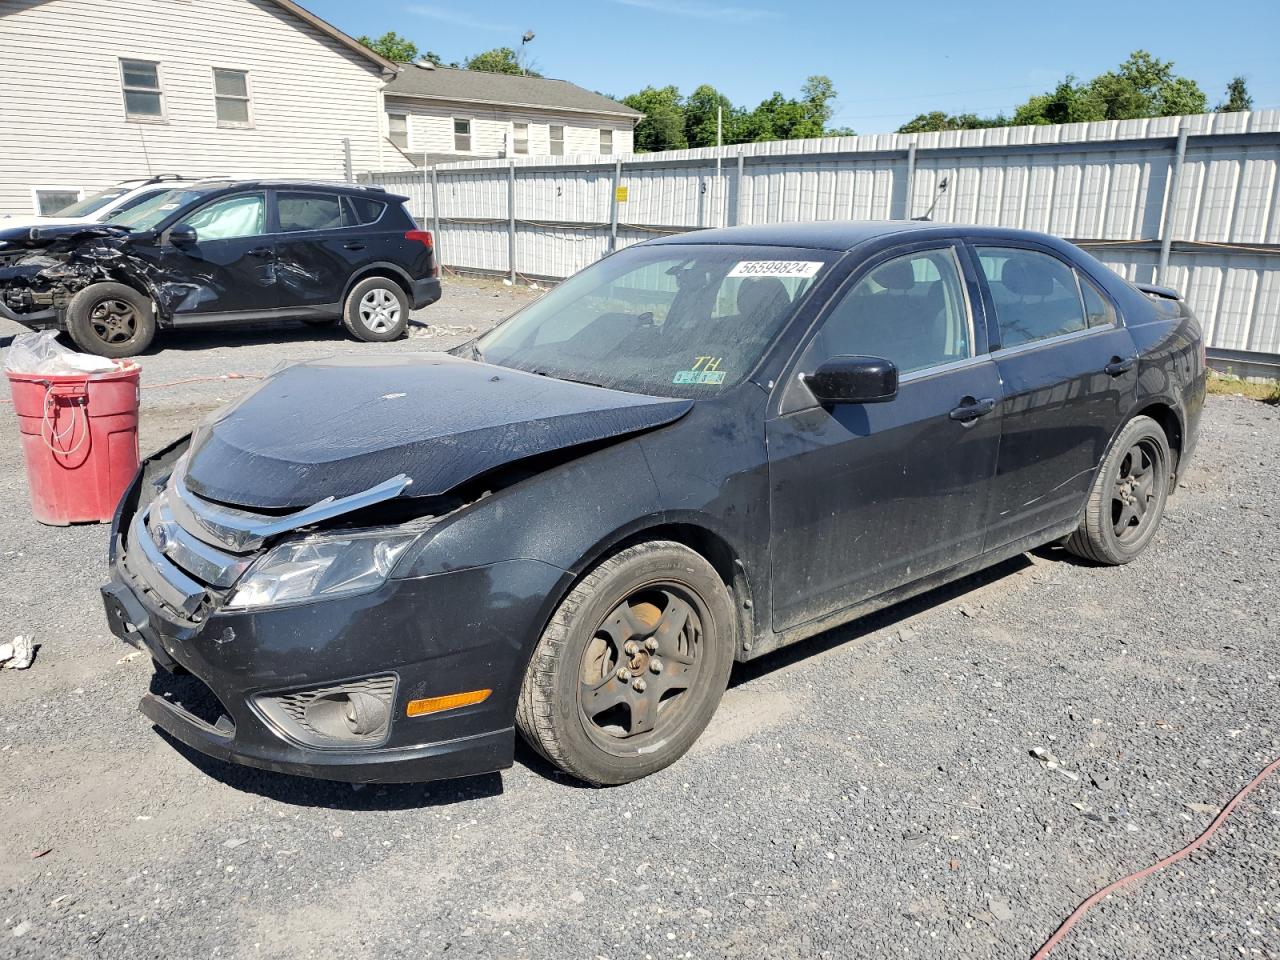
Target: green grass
[(1234, 386)]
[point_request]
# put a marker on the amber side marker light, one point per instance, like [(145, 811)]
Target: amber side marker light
[(420, 708)]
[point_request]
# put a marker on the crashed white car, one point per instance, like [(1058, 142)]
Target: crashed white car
[(103, 206)]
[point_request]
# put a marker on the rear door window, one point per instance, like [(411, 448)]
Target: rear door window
[(309, 211), (1036, 296)]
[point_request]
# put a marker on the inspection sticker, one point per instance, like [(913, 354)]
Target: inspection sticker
[(776, 268), (699, 376)]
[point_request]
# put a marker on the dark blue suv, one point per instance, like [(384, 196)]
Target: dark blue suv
[(223, 252)]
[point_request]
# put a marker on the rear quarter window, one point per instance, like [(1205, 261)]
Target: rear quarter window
[(365, 210)]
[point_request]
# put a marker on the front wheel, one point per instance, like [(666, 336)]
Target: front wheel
[(111, 320), (1128, 496), (377, 310), (632, 666)]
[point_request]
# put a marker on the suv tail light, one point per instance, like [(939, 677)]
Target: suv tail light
[(424, 237)]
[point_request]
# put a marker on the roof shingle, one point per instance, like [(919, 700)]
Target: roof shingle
[(477, 86)]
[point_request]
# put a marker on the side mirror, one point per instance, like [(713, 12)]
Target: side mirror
[(183, 235), (853, 380)]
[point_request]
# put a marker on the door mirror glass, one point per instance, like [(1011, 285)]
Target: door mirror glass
[(182, 235), (853, 380)]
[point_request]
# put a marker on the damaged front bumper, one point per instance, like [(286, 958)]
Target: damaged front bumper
[(274, 675)]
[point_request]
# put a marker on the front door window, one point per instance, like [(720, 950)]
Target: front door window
[(226, 219)]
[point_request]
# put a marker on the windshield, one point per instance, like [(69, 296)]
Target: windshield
[(146, 215), (683, 320), (92, 204)]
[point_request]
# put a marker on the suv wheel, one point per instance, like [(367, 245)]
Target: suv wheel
[(111, 320), (377, 310), (631, 666), (1128, 496)]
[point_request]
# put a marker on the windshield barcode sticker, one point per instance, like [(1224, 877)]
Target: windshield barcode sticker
[(776, 268)]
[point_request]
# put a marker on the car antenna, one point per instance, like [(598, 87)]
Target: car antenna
[(942, 188)]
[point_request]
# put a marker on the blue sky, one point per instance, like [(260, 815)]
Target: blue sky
[(888, 60)]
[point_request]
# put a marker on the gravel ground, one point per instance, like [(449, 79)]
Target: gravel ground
[(869, 792)]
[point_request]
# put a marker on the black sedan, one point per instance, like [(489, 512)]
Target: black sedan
[(693, 452), (219, 252)]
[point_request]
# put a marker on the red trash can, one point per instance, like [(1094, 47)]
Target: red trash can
[(80, 441)]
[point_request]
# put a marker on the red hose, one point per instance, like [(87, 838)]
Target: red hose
[(1186, 851), (175, 383)]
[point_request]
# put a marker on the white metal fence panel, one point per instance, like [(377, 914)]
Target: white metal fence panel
[(1114, 187)]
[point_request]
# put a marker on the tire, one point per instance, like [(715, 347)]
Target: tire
[(605, 728), (1128, 496), (111, 320), (376, 311)]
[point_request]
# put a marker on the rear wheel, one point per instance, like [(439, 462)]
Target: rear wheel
[(632, 665), (377, 310), (1128, 496), (111, 320)]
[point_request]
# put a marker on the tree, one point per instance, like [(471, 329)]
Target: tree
[(1238, 99), (392, 46), (700, 117), (939, 120), (1142, 86), (663, 126), (500, 60)]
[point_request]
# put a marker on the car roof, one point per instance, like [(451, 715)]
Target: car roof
[(223, 183), (846, 234)]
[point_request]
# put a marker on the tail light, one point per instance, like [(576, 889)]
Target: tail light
[(424, 237)]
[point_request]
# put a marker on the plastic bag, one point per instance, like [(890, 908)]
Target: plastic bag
[(42, 353)]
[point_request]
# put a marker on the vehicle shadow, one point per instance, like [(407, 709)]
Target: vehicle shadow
[(246, 335), (307, 792), (864, 626)]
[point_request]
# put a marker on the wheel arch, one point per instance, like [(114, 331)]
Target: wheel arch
[(710, 544), (1165, 414), (381, 269)]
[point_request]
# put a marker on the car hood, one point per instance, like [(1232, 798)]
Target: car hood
[(53, 235), (334, 428)]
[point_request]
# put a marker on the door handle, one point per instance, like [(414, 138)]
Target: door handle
[(971, 409), (353, 245), (261, 252), (1119, 365)]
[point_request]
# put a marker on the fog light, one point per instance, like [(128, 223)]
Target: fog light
[(352, 714)]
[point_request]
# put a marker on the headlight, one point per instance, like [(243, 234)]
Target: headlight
[(320, 567)]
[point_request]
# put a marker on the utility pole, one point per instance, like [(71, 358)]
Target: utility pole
[(719, 177)]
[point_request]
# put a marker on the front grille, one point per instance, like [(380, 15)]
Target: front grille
[(178, 562)]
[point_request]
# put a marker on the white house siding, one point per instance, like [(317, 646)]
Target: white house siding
[(62, 110), (431, 128)]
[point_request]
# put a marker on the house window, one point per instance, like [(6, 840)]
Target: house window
[(606, 141), (51, 200), (520, 137), (231, 97), (461, 135), (398, 129), (140, 80), (557, 140)]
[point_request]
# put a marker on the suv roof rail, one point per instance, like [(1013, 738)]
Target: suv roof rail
[(158, 178), (373, 187)]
